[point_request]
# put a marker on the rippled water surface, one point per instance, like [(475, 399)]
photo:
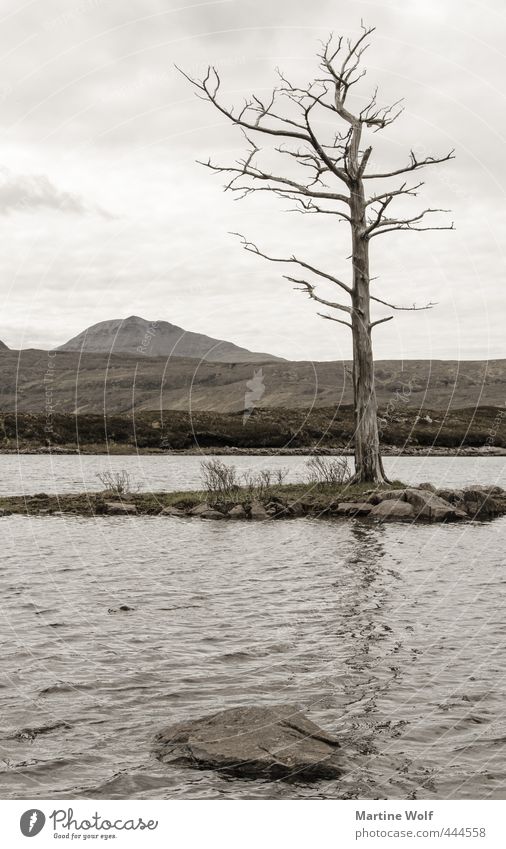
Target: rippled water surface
[(391, 636), (72, 473)]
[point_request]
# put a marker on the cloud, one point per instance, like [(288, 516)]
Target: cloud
[(30, 192)]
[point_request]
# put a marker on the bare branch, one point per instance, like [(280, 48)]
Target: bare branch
[(333, 318), (245, 168), (413, 308), (210, 87), (252, 248), (387, 225), (381, 321), (310, 290), (402, 190), (413, 165), (309, 207)]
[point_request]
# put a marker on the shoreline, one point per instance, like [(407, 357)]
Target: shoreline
[(119, 450), (388, 502)]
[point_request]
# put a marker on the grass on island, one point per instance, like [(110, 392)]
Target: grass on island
[(151, 503)]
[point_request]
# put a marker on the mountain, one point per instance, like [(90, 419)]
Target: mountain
[(135, 335), (3, 346)]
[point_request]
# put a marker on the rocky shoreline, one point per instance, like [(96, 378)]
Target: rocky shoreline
[(225, 451), (386, 503)]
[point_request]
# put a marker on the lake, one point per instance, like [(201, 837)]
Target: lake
[(389, 636), (32, 473)]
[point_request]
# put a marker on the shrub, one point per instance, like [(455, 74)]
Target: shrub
[(116, 483), (259, 485), (219, 480), (328, 471)]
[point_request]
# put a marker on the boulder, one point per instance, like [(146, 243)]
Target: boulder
[(172, 511), (393, 510), (295, 508), (391, 494), (238, 512), (487, 489), (481, 502), (428, 505), (427, 486), (454, 496), (258, 511), (200, 508), (210, 513), (353, 508), (119, 508), (276, 742)]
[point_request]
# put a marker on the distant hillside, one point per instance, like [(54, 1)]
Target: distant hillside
[(138, 336), (279, 430), (65, 381), (3, 346)]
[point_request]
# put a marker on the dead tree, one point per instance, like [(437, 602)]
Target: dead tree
[(330, 175)]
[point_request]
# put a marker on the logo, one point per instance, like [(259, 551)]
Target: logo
[(32, 822), (255, 390)]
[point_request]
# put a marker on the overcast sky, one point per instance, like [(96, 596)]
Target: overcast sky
[(104, 212)]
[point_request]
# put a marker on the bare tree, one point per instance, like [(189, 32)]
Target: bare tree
[(329, 177)]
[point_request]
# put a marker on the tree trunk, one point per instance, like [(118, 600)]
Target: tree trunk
[(368, 463)]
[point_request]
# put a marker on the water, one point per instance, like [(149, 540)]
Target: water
[(33, 473), (389, 636)]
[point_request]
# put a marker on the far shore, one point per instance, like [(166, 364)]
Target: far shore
[(112, 448)]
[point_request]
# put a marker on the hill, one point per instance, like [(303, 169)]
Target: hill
[(66, 381), (137, 336)]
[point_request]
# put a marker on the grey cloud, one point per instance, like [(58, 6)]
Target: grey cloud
[(30, 192)]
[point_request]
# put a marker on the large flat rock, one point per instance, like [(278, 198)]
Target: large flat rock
[(256, 742)]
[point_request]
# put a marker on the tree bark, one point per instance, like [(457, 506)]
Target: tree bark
[(368, 463)]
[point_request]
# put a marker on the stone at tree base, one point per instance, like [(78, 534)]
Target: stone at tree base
[(253, 742), (354, 508), (393, 510), (237, 512), (454, 496), (427, 504), (119, 508)]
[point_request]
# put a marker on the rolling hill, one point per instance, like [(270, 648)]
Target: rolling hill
[(67, 381)]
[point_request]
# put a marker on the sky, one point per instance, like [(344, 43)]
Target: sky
[(105, 212)]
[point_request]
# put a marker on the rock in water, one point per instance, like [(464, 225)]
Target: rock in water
[(253, 742)]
